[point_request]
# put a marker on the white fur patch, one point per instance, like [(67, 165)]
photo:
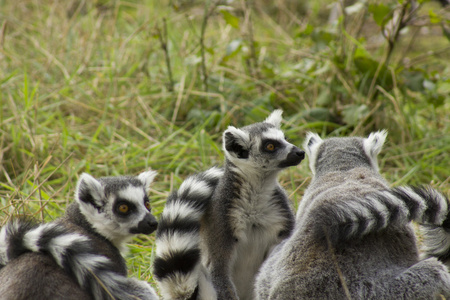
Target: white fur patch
[(31, 238), (87, 263), (147, 178), (197, 188), (181, 210), (178, 285), (373, 145), (3, 246), (311, 146), (275, 118), (175, 242), (133, 194), (241, 136), (274, 134), (436, 240), (95, 188), (214, 172), (58, 245)]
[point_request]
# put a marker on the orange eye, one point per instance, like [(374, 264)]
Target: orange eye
[(123, 208), (147, 205), (270, 147)]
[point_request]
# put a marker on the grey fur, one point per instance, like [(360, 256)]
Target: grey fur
[(247, 214), (78, 256), (353, 239)]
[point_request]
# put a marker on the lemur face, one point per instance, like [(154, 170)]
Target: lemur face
[(117, 207), (261, 146)]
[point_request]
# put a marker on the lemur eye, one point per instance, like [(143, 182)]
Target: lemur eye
[(147, 205), (270, 147), (123, 208)]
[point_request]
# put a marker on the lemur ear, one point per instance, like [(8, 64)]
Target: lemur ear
[(374, 143), (311, 146), (312, 141), (236, 142), (147, 178), (89, 191), (275, 118)]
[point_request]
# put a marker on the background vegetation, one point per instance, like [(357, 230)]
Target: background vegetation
[(114, 87)]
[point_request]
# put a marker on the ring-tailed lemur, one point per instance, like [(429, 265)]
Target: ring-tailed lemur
[(216, 231), (78, 256), (353, 239)]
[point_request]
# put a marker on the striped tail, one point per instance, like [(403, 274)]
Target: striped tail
[(355, 218), (436, 240), (177, 266), (72, 252)]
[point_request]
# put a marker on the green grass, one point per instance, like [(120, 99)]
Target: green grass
[(84, 87)]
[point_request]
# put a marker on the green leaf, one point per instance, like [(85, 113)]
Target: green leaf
[(318, 114), (414, 80), (307, 31), (233, 48), (231, 20), (434, 18), (380, 13), (353, 113), (369, 66)]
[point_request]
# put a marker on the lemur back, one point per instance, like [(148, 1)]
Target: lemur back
[(353, 238), (234, 218), (78, 256)]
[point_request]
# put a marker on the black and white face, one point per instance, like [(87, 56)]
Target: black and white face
[(117, 207), (132, 211), (261, 146)]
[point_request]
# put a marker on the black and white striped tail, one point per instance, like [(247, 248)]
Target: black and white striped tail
[(177, 266), (354, 218), (72, 252), (436, 240)]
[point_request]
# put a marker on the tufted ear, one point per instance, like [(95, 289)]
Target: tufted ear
[(311, 146), (275, 118), (312, 141), (236, 142), (147, 178), (374, 143), (89, 191)]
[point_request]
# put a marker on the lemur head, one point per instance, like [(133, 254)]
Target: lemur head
[(261, 146), (117, 207), (341, 154)]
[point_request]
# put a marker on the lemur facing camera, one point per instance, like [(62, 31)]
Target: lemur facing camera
[(218, 228), (353, 238), (78, 256)]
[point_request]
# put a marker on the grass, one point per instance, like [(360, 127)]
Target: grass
[(86, 87)]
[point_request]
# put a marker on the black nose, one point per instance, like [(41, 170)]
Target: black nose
[(293, 158), (146, 226), (300, 154)]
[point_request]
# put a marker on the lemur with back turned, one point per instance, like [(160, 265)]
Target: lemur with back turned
[(78, 256), (218, 228), (353, 238)]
